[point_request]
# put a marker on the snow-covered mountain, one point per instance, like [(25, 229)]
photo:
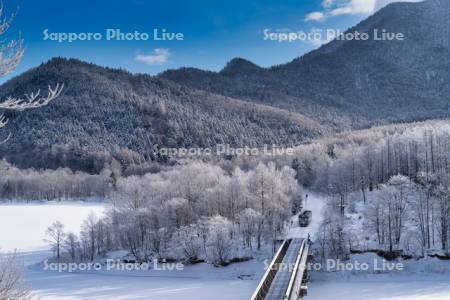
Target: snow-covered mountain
[(105, 113), (353, 83)]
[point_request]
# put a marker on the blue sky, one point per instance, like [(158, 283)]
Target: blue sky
[(214, 31)]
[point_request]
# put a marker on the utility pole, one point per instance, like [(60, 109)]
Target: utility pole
[(341, 205)]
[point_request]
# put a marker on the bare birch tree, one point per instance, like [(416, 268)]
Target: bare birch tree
[(55, 237)]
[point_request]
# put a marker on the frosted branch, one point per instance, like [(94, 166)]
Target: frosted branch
[(11, 53), (33, 100)]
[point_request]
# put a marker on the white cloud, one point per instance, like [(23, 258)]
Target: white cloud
[(334, 8), (315, 16), (354, 7), (158, 57)]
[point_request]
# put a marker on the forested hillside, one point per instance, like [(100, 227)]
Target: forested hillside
[(104, 114), (353, 84)]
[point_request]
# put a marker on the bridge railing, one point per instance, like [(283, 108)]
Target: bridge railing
[(296, 285), (269, 275)]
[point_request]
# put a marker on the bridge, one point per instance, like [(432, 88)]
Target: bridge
[(286, 276)]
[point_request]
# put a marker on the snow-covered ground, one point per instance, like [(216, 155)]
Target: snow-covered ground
[(200, 282), (420, 280), (23, 225), (383, 288)]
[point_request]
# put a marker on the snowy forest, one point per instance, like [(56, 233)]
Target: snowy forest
[(191, 213), (387, 187)]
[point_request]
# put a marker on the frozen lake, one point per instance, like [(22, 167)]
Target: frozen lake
[(65, 286), (387, 289), (23, 226)]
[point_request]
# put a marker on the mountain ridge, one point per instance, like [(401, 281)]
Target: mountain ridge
[(354, 84), (105, 114)]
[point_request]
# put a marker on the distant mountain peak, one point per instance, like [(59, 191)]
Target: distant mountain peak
[(351, 83), (238, 66)]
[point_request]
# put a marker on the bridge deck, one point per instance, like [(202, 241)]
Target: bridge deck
[(280, 284)]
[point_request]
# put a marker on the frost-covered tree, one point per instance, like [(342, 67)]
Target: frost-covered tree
[(55, 236), (11, 280), (219, 242), (11, 54), (193, 211), (248, 222), (71, 245), (187, 243), (397, 201), (332, 239), (88, 234)]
